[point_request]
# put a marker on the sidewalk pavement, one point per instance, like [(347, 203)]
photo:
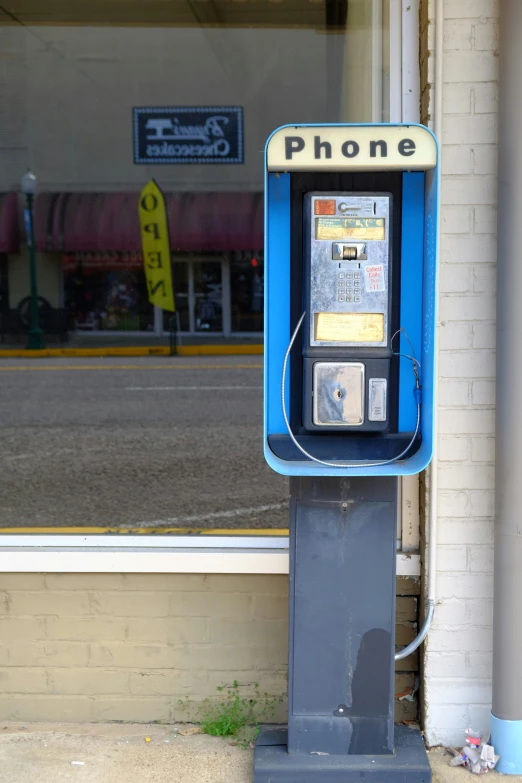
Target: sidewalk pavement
[(119, 753)]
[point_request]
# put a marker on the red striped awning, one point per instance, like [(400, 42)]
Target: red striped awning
[(108, 222), (9, 230)]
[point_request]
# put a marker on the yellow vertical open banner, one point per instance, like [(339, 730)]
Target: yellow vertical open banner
[(156, 247)]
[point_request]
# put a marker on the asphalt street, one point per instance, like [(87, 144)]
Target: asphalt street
[(136, 442)]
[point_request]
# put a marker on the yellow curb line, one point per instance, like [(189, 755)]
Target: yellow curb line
[(142, 367), (142, 531), (184, 350), (220, 350)]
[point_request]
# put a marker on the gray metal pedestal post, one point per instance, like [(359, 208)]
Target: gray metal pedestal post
[(342, 641)]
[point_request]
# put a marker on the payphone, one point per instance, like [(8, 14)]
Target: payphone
[(350, 274), (351, 222)]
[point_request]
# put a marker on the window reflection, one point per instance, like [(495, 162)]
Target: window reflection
[(208, 296), (75, 75), (101, 296), (246, 284), (72, 75)]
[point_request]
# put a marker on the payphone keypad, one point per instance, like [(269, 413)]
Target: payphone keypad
[(349, 287)]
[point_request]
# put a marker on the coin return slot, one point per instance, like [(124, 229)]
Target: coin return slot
[(338, 394)]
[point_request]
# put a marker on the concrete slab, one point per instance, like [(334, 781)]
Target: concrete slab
[(119, 753), (114, 753)]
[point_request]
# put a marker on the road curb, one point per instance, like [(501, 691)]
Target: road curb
[(159, 350)]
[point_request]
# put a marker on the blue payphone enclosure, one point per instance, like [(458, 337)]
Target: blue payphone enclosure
[(418, 308)]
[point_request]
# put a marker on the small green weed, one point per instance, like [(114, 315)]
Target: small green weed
[(236, 716)]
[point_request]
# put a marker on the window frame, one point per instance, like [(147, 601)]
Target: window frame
[(234, 551)]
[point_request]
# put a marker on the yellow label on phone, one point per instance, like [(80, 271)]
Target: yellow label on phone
[(349, 327)]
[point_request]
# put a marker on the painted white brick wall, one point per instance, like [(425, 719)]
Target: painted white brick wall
[(458, 650)]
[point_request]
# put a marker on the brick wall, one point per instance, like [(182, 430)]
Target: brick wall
[(458, 651), (102, 647)]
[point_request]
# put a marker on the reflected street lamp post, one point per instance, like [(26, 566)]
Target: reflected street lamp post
[(36, 337)]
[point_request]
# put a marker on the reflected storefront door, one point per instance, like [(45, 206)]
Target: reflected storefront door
[(208, 296), (198, 291), (180, 281)]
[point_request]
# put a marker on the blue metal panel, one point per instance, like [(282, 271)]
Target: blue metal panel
[(277, 292), (429, 335), (277, 331), (412, 263)]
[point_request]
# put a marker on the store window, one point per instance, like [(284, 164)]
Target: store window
[(246, 285), (106, 292), (98, 99)]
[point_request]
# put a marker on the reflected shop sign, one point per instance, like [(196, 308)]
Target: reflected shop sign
[(188, 135), (131, 261)]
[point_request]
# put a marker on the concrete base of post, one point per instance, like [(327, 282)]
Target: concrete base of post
[(274, 764), (506, 738)]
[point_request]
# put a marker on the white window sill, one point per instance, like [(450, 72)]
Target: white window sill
[(156, 554)]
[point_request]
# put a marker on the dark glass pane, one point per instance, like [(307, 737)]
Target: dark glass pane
[(112, 300), (180, 277), (208, 296), (246, 285)]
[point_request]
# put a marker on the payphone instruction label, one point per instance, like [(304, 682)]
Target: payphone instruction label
[(374, 278), (377, 399), (350, 228), (349, 327)]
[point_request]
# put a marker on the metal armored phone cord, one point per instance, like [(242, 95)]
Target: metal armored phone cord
[(369, 464)]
